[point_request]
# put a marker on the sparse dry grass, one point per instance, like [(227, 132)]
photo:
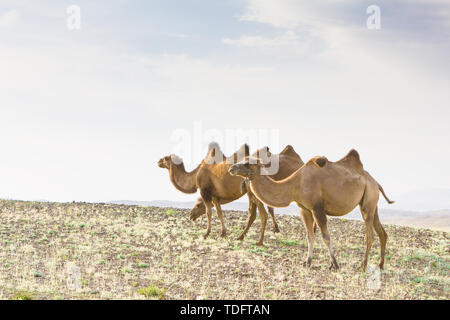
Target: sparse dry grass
[(126, 252)]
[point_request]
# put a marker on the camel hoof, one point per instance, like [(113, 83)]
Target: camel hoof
[(276, 230), (240, 238), (362, 268), (333, 266), (223, 234), (206, 235), (307, 263), (259, 244)]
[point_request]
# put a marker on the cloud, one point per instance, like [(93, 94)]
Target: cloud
[(257, 41), (278, 45), (9, 18), (282, 14), (414, 34), (398, 16), (176, 35)]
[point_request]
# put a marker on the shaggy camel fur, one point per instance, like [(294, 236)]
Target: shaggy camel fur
[(322, 188)]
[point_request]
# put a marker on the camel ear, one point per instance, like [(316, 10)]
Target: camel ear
[(320, 161)]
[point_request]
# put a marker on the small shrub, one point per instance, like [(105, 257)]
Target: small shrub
[(22, 295), (126, 270), (152, 292), (171, 212), (287, 242)]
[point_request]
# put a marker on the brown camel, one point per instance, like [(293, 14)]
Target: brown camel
[(288, 162), (216, 185), (322, 188)]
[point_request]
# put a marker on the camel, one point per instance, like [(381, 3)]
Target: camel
[(225, 191), (216, 185), (288, 162), (321, 188)]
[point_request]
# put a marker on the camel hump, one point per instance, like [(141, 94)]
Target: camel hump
[(288, 149), (244, 151), (213, 145), (353, 154), (264, 151), (241, 154), (290, 152), (215, 152), (176, 159), (320, 161), (214, 148), (352, 158)]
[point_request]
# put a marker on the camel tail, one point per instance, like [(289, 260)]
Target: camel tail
[(384, 195)]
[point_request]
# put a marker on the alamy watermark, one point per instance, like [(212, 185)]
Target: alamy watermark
[(373, 281), (190, 143), (73, 21), (73, 280), (374, 20)]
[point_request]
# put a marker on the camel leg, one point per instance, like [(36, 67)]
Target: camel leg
[(263, 216), (382, 235), (208, 206), (275, 225), (220, 215), (368, 216), (308, 221), (321, 220), (250, 220)]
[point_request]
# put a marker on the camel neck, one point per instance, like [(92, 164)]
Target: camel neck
[(182, 180), (273, 193)]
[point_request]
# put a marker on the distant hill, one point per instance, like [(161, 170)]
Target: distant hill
[(433, 219)]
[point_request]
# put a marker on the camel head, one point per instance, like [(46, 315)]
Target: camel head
[(251, 167), (198, 210), (167, 161)]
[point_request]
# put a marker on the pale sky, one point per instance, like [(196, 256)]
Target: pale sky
[(86, 114)]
